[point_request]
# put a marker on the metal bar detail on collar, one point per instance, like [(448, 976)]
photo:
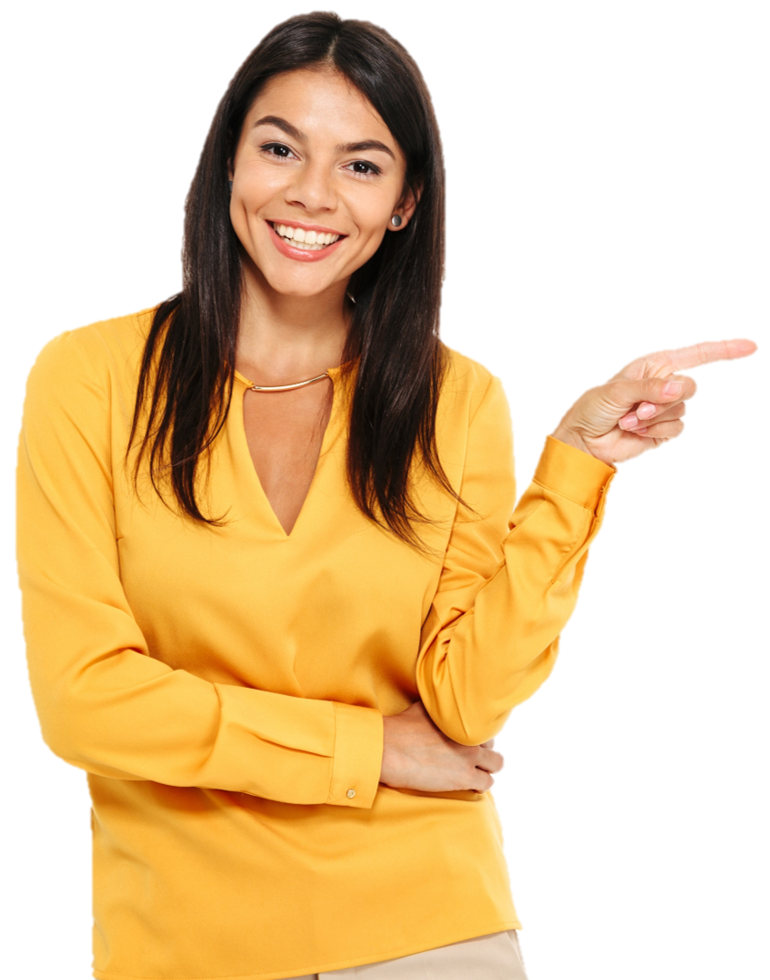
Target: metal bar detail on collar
[(299, 384)]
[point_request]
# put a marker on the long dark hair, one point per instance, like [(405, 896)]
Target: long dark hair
[(187, 369)]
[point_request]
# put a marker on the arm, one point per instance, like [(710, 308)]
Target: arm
[(104, 704), (491, 637)]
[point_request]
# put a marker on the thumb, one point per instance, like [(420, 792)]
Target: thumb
[(599, 410), (627, 393)]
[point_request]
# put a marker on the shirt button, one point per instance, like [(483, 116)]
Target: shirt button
[(351, 793)]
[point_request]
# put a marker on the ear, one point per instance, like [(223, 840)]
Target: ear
[(405, 207)]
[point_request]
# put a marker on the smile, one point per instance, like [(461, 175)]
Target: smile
[(316, 245), (311, 241)]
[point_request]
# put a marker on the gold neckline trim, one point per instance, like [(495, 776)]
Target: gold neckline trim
[(298, 384)]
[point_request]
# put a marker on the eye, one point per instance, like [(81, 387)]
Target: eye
[(279, 150), (364, 168)]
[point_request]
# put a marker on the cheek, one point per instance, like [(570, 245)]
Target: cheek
[(236, 206), (370, 245), (247, 200), (239, 220), (254, 186), (377, 226)]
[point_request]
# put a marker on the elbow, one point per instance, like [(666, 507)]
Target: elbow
[(61, 731), (69, 731), (470, 728), (475, 728)]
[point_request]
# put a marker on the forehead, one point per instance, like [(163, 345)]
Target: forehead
[(322, 103)]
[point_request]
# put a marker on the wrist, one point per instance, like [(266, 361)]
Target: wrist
[(387, 750), (569, 436)]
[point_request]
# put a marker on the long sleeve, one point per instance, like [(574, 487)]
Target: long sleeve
[(104, 703), (492, 634)]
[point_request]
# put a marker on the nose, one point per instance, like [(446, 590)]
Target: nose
[(312, 187)]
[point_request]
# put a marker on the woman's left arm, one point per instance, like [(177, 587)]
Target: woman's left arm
[(492, 634)]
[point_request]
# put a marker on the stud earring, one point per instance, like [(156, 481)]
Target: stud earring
[(396, 220)]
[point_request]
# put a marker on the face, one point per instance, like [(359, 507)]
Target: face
[(317, 177)]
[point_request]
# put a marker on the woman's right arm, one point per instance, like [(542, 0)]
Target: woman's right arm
[(104, 704)]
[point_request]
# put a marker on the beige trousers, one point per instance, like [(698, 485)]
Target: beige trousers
[(493, 957)]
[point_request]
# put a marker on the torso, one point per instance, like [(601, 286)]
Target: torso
[(284, 432)]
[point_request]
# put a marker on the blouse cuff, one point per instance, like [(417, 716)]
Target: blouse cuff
[(358, 749), (574, 474)]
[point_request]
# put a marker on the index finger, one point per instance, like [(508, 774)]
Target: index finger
[(705, 353)]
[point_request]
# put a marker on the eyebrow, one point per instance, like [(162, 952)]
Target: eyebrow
[(298, 135)]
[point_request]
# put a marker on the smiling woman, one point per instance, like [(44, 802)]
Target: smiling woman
[(276, 158), (277, 599), (286, 154)]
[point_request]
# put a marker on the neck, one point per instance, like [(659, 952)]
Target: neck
[(282, 339)]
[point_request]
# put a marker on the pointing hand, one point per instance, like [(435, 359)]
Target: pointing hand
[(642, 405)]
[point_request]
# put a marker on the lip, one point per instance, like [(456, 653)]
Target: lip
[(301, 254), (300, 224)]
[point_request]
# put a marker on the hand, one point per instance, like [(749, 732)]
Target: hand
[(417, 755), (642, 405)]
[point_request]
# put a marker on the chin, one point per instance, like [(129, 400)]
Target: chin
[(299, 293)]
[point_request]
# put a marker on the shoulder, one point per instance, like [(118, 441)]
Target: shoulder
[(473, 434), (94, 352), (469, 386)]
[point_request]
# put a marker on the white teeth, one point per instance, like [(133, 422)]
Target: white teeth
[(306, 246), (306, 239)]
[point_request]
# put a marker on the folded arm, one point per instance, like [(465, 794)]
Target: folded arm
[(104, 704)]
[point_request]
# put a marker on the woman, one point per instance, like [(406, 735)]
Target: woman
[(275, 602)]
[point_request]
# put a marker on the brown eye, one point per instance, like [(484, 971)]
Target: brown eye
[(277, 150), (365, 168)]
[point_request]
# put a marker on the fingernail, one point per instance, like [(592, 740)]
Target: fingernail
[(630, 422), (645, 411), (673, 388)]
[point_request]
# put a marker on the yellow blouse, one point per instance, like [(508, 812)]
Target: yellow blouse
[(224, 687)]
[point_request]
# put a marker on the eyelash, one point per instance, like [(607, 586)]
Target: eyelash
[(374, 170)]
